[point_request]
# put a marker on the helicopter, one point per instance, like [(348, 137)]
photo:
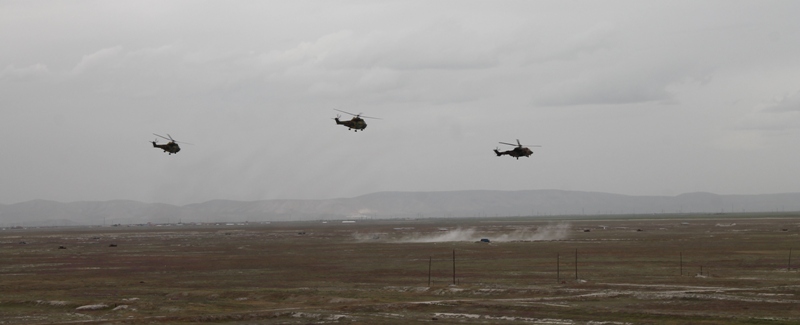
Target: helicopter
[(357, 122), (517, 152), (171, 146)]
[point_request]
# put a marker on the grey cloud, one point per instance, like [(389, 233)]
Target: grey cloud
[(253, 85), (776, 116), (574, 47), (786, 104), (97, 58), (761, 121), (440, 46), (29, 73), (615, 82), (378, 65)]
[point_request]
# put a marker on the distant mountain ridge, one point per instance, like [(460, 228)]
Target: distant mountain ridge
[(447, 204)]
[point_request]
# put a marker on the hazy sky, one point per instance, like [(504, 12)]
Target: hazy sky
[(628, 97)]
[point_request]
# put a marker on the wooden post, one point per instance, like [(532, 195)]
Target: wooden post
[(558, 268), (430, 261), (576, 264), (454, 267)]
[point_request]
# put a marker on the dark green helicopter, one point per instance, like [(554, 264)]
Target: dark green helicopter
[(356, 123), (519, 151), (171, 146)]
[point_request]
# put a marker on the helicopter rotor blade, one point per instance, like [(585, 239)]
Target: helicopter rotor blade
[(181, 142), (345, 112), (520, 145), (169, 137), (357, 115)]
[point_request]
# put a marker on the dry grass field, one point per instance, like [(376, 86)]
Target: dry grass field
[(679, 269)]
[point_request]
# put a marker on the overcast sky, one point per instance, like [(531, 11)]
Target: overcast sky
[(628, 97)]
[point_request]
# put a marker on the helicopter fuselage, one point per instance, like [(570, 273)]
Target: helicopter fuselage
[(356, 123), (170, 147), (516, 152)]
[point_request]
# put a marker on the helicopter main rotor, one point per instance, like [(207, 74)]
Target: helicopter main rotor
[(519, 144), (357, 115), (169, 137)]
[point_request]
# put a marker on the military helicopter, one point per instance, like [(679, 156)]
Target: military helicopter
[(517, 152), (171, 146), (357, 122)]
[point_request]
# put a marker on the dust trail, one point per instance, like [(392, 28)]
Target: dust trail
[(457, 234), (366, 237), (549, 232)]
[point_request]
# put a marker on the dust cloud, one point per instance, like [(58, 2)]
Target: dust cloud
[(549, 232)]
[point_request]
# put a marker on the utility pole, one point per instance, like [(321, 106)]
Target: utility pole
[(558, 268), (430, 261), (454, 267), (576, 264)]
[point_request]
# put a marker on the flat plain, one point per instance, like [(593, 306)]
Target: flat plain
[(632, 269)]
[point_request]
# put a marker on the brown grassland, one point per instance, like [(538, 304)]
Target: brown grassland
[(630, 270)]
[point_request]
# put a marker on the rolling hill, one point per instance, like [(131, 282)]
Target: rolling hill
[(448, 204)]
